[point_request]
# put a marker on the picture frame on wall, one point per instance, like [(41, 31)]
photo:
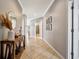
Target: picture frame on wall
[(49, 23)]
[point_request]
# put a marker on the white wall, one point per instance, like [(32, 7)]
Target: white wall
[(57, 38), (40, 27), (11, 5), (32, 29)]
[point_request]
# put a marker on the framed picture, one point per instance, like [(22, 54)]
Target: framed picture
[(49, 23)]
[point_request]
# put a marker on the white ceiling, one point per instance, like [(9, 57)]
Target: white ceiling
[(35, 8)]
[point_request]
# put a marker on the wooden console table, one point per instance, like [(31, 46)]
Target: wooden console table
[(2, 48), (11, 44)]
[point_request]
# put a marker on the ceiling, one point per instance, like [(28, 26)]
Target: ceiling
[(34, 8)]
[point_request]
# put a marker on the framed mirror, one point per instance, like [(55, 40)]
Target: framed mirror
[(12, 17)]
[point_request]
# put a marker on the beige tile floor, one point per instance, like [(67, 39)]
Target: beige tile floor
[(38, 49)]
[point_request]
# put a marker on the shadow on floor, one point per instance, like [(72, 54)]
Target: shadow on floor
[(19, 54)]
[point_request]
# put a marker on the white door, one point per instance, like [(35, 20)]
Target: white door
[(76, 29)]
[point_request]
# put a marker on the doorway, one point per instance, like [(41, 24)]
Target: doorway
[(38, 29)]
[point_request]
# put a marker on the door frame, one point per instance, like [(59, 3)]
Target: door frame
[(73, 30)]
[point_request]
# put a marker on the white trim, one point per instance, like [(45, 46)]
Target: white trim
[(20, 3), (69, 29), (48, 7), (54, 49)]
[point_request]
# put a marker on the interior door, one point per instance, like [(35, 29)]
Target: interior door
[(76, 29)]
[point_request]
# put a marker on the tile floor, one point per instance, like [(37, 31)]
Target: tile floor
[(38, 49)]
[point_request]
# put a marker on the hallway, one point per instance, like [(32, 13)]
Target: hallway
[(38, 49), (47, 19)]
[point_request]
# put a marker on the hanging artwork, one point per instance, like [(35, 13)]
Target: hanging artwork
[(49, 23)]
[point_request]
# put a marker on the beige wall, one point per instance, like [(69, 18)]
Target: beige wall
[(11, 5), (58, 36)]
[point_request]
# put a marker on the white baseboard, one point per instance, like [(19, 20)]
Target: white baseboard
[(54, 49)]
